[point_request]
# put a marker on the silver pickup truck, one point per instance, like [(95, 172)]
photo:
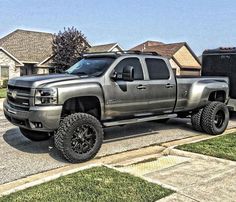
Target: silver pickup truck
[(110, 89)]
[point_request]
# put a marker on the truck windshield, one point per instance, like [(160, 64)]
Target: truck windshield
[(91, 66)]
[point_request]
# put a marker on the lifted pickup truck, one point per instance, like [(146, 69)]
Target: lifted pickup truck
[(110, 89)]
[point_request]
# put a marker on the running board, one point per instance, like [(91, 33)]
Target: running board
[(138, 120)]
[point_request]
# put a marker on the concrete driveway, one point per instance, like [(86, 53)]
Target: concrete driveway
[(20, 157)]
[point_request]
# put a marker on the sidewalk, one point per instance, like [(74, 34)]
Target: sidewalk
[(194, 177), (1, 103)]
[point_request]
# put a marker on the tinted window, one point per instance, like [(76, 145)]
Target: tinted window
[(157, 69), (134, 62), (91, 66)]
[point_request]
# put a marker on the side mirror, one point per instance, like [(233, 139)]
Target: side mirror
[(114, 76), (128, 73)]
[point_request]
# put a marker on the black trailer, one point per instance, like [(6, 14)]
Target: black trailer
[(221, 62)]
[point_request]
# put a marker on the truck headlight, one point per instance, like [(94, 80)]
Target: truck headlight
[(46, 96)]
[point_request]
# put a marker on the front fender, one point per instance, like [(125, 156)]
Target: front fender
[(81, 90)]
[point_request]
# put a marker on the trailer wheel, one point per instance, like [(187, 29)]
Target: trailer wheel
[(79, 137), (215, 118), (196, 120)]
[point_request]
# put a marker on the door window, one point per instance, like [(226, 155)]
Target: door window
[(135, 63), (157, 69)]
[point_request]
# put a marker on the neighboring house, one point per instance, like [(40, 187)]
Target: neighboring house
[(182, 59), (25, 52), (112, 47)]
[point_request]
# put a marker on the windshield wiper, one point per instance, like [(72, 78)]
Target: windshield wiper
[(81, 73)]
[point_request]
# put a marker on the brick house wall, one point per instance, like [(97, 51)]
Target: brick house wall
[(6, 61)]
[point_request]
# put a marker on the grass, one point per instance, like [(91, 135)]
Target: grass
[(94, 184), (221, 147), (3, 92)]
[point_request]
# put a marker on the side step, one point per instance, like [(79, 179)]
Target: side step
[(138, 120)]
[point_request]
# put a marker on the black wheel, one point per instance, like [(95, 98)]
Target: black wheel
[(79, 137), (34, 135), (196, 120), (215, 118)]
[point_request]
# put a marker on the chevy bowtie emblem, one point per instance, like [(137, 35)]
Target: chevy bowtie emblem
[(14, 94)]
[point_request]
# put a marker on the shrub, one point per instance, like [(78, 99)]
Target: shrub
[(4, 83)]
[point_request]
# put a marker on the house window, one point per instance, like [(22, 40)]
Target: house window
[(4, 72)]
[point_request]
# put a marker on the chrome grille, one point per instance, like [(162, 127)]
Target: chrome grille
[(18, 97)]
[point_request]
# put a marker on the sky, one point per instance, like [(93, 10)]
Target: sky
[(203, 24)]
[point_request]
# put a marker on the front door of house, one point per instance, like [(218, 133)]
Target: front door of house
[(27, 69)]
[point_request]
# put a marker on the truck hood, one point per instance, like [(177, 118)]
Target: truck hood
[(36, 80)]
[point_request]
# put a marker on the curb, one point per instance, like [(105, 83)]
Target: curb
[(172, 151), (176, 152), (195, 139)]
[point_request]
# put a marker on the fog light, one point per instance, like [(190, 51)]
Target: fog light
[(38, 124)]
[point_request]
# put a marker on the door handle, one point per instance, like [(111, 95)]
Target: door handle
[(141, 87), (169, 85)]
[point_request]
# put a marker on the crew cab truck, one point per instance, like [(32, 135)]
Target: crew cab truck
[(110, 89)]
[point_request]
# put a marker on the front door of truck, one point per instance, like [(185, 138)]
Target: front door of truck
[(162, 86), (126, 98)]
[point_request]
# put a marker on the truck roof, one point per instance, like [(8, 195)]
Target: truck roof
[(118, 54)]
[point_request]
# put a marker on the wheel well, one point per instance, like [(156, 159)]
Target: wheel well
[(218, 96), (87, 104)]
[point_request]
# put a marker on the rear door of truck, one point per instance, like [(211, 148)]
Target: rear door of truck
[(161, 87)]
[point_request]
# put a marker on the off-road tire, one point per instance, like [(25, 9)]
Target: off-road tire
[(196, 120), (35, 135), (209, 118), (67, 129)]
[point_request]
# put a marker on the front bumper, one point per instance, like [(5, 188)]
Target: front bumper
[(48, 117)]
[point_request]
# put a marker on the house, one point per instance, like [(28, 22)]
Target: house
[(182, 59), (24, 52), (111, 47)]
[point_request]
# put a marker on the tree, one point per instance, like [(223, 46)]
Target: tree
[(68, 47)]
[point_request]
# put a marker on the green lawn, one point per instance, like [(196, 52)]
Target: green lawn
[(221, 147), (94, 184), (3, 92)]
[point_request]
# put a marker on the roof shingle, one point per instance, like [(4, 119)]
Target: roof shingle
[(166, 50), (102, 48), (144, 45), (28, 46)]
